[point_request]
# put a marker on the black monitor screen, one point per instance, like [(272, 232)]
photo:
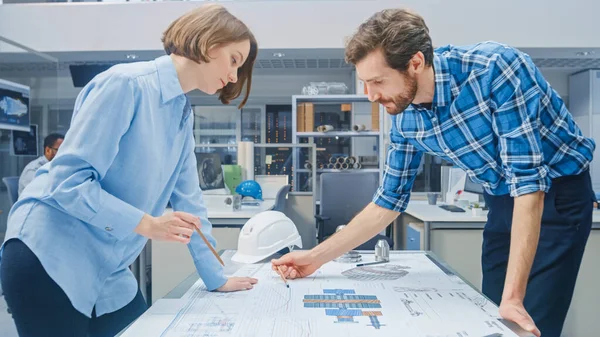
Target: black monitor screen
[(473, 187), (25, 143)]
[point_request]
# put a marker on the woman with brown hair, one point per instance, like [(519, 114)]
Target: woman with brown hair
[(130, 150)]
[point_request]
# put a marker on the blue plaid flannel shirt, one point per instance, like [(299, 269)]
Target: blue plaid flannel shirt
[(493, 115)]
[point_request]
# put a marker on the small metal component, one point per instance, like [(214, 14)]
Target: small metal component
[(382, 251)]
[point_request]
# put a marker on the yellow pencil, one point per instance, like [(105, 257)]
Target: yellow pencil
[(209, 246), (283, 278)]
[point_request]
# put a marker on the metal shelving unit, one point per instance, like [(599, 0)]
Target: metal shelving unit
[(356, 101)]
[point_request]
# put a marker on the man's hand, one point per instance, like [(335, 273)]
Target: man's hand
[(514, 311), (176, 226), (237, 283), (296, 264)]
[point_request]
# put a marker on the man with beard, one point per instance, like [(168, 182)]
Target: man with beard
[(487, 109)]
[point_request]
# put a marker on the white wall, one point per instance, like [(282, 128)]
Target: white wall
[(284, 24)]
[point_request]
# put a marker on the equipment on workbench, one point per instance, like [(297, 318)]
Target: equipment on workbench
[(249, 188), (265, 234)]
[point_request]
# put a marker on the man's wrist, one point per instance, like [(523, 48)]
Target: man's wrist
[(512, 294)]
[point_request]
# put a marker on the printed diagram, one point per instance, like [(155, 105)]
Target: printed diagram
[(409, 306), (387, 272), (209, 328), (479, 301), (345, 305), (414, 290), (12, 107)]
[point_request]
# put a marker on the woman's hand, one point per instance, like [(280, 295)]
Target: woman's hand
[(175, 227), (238, 283)]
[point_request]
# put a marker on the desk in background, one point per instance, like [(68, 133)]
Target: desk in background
[(457, 238)]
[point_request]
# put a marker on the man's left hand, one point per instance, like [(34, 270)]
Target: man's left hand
[(514, 311)]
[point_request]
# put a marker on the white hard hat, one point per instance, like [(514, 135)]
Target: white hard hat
[(265, 234)]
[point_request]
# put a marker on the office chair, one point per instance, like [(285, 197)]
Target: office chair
[(343, 195), (281, 198), (12, 185)]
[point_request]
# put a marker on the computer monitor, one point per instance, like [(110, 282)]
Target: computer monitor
[(14, 106), (25, 143), (473, 187), (210, 172)]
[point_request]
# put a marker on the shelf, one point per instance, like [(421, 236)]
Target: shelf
[(335, 170), (338, 134), (214, 132), (331, 98)]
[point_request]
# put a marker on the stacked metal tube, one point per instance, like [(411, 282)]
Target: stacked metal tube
[(343, 163)]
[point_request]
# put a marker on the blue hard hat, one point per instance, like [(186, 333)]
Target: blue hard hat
[(249, 188)]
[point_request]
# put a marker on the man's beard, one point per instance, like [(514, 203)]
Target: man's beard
[(402, 101)]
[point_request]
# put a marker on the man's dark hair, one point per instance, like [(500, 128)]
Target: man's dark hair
[(51, 139), (399, 33)]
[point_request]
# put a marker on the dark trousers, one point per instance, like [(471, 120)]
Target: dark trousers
[(40, 308), (565, 228)]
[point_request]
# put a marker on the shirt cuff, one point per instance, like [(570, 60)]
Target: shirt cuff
[(517, 190), (391, 200), (116, 217), (213, 278), (529, 181)]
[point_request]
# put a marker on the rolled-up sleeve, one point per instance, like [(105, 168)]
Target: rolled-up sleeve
[(517, 99), (402, 165)]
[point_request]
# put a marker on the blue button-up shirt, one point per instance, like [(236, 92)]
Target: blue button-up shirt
[(129, 151), (493, 115)]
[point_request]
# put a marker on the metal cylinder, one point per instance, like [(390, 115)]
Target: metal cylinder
[(332, 160), (357, 166), (359, 127), (337, 166), (340, 160), (345, 166), (382, 250), (324, 128), (308, 166)]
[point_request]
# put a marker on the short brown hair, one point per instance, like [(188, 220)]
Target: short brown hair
[(196, 32), (398, 32)]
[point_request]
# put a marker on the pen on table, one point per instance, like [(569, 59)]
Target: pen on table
[(209, 246), (281, 275), (371, 263)]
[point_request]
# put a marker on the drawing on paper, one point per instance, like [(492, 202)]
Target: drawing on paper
[(344, 304), (211, 327), (387, 272), (414, 290), (409, 306), (479, 301)]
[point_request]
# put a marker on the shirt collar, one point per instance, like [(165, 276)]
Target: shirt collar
[(442, 95), (167, 77)]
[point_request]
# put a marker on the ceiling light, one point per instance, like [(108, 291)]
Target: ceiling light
[(131, 56), (585, 53), (278, 54)]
